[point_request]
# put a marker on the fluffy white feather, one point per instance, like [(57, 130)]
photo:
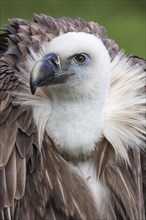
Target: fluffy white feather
[(124, 124)]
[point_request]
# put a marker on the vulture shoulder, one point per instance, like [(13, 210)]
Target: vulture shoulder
[(38, 184)]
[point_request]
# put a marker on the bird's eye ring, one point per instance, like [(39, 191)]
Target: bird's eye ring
[(80, 58)]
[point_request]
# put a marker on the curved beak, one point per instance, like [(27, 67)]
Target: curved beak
[(44, 71)]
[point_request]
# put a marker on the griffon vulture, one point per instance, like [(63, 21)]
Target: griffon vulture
[(72, 123)]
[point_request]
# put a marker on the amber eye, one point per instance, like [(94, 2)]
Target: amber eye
[(80, 58)]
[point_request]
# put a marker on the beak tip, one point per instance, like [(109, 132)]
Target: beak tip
[(33, 89)]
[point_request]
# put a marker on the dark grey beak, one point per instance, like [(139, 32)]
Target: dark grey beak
[(44, 71)]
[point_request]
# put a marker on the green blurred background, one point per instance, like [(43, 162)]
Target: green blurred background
[(125, 20)]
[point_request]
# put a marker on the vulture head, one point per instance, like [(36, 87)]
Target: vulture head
[(75, 69), (73, 60)]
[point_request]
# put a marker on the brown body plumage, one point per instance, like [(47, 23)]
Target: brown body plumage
[(37, 183)]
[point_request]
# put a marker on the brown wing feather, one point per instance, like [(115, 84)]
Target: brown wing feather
[(123, 184), (13, 152), (58, 188)]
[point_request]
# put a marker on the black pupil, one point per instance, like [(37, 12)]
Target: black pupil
[(80, 58)]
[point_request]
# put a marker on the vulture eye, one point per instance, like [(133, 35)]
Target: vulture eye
[(80, 58)]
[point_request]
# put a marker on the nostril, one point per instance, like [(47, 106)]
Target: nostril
[(53, 58), (53, 62)]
